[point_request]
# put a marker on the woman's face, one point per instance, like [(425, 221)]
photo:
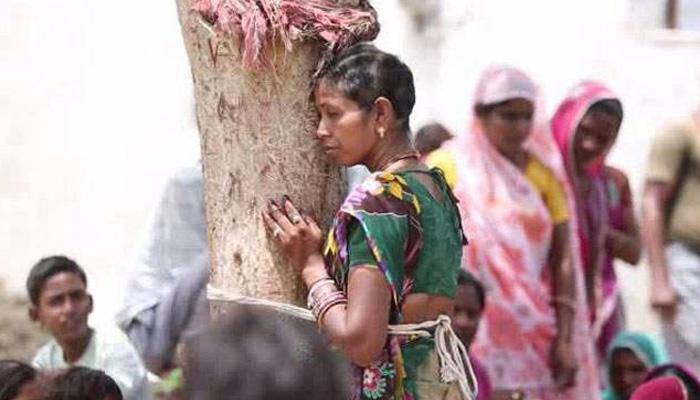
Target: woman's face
[(508, 125), (594, 136), (467, 313), (345, 130), (627, 372)]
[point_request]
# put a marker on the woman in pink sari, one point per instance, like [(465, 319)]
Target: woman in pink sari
[(585, 127), (534, 341)]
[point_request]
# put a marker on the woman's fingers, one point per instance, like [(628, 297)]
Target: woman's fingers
[(279, 217), (287, 222), (313, 226), (271, 226), (294, 215)]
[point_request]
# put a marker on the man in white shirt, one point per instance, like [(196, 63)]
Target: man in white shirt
[(60, 303), (165, 301)]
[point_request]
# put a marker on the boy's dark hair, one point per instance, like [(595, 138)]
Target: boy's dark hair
[(260, 355), (465, 278), (80, 383), (45, 269), (612, 107), (14, 374), (430, 137), (364, 73)]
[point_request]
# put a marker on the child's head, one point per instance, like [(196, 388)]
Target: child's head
[(630, 356), (18, 381), (469, 305), (430, 137), (80, 383), (57, 288), (256, 354)]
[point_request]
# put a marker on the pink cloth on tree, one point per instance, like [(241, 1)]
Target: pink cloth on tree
[(256, 23)]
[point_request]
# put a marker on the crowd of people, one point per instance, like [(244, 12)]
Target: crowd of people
[(498, 242)]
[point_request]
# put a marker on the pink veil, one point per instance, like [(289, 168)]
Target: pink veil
[(510, 229)]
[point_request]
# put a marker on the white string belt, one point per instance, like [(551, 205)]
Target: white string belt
[(452, 355)]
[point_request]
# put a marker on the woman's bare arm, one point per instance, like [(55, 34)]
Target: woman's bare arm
[(564, 299), (655, 196), (626, 243), (360, 329), (562, 279)]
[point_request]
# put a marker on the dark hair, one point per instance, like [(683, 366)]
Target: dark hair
[(13, 375), (81, 383), (465, 278), (430, 137), (689, 381), (364, 73), (612, 107), (261, 355), (45, 269)]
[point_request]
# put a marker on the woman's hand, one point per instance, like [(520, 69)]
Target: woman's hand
[(613, 240), (664, 301), (623, 245), (564, 364), (298, 235)]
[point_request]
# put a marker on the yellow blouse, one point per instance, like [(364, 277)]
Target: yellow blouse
[(541, 177)]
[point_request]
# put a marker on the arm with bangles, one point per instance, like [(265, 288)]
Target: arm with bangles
[(564, 363), (359, 327)]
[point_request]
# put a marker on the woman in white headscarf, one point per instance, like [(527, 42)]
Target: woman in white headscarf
[(534, 339)]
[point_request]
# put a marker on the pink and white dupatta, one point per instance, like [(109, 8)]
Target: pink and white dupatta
[(509, 229)]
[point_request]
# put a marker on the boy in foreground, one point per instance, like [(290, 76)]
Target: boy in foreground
[(60, 303)]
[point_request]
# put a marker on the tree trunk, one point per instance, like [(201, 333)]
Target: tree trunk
[(257, 133)]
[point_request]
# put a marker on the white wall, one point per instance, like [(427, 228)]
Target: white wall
[(95, 105)]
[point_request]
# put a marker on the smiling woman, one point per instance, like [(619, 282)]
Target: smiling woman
[(585, 127)]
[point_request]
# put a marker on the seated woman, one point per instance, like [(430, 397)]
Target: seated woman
[(394, 250), (585, 127), (630, 357), (517, 220)]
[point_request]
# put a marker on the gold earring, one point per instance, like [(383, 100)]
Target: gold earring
[(381, 132)]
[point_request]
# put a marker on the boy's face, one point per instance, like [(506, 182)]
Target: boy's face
[(467, 313), (64, 306)]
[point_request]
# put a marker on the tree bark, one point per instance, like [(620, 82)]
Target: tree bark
[(257, 141)]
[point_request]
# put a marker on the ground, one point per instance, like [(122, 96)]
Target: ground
[(19, 337)]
